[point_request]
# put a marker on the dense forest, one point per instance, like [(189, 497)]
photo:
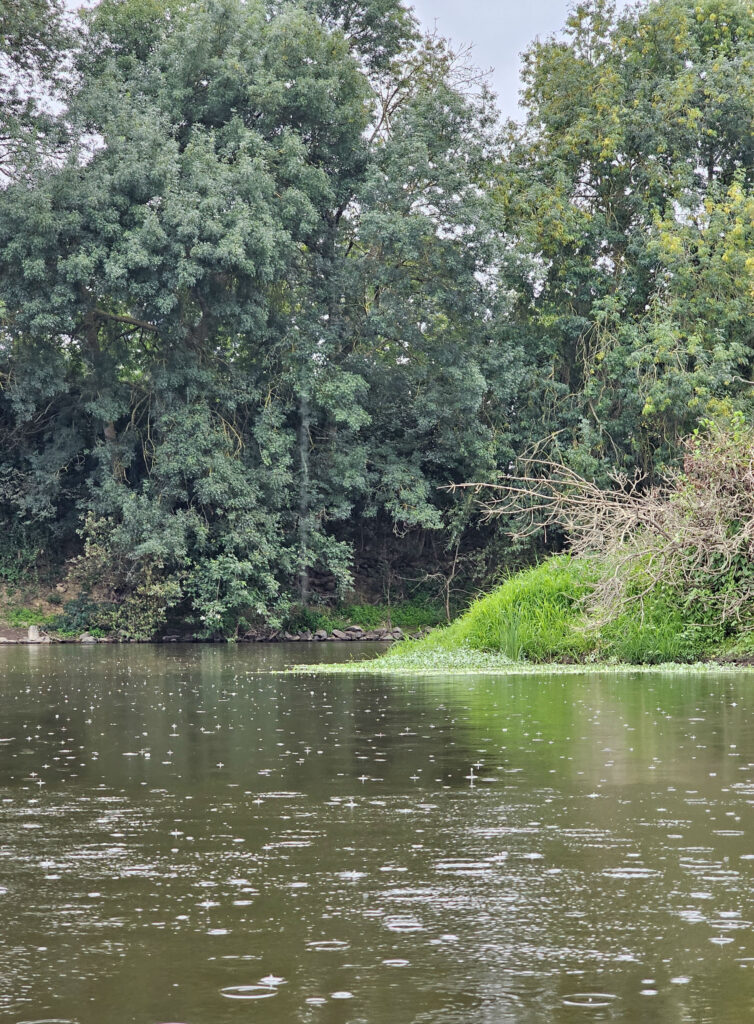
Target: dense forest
[(275, 273)]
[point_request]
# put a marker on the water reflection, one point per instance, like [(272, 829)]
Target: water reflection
[(188, 835)]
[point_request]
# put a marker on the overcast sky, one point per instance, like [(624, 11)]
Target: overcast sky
[(499, 31)]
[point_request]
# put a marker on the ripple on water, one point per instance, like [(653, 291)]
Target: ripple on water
[(327, 945), (463, 866), (249, 992), (629, 872), (397, 923), (589, 1000)]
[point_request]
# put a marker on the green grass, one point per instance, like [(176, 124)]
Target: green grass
[(656, 634), (533, 617), (741, 645), (537, 617), (21, 617)]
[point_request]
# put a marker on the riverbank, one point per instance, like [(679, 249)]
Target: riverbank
[(353, 634), (546, 619), (30, 615)]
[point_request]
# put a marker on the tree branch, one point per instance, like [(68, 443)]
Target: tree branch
[(142, 324)]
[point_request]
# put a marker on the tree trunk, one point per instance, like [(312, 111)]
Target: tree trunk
[(303, 499)]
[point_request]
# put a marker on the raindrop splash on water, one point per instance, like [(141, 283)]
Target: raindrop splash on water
[(249, 992)]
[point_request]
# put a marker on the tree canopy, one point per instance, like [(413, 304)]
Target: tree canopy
[(273, 275), (628, 186)]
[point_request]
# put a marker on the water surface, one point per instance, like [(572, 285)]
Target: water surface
[(188, 836)]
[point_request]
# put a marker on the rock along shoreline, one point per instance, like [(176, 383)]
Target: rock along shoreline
[(33, 635)]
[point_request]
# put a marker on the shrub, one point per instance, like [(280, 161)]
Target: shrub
[(82, 615), (674, 562), (20, 552)]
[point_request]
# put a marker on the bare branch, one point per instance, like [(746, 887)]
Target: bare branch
[(693, 531)]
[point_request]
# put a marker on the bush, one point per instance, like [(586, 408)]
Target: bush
[(82, 615), (657, 574), (661, 573)]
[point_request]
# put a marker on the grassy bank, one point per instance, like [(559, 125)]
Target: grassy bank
[(543, 616)]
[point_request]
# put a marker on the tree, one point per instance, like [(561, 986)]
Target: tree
[(252, 330), (33, 40), (638, 144)]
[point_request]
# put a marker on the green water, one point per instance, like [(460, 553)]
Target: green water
[(188, 836)]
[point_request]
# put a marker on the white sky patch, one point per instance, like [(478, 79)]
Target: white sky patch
[(499, 31)]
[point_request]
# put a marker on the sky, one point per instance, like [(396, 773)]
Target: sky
[(499, 30)]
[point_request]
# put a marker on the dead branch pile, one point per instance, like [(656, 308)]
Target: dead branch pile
[(694, 532)]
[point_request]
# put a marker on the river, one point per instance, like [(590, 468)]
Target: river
[(188, 835)]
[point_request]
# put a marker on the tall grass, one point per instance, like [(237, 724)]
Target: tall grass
[(542, 615), (534, 616), (652, 635), (662, 628), (548, 614)]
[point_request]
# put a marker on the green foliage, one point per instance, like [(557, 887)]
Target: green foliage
[(692, 553), (663, 575), (414, 614), (81, 615), (535, 615), (21, 616), (540, 615), (304, 280), (631, 185), (33, 36), (654, 634), (532, 615), (229, 335), (20, 553), (139, 615)]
